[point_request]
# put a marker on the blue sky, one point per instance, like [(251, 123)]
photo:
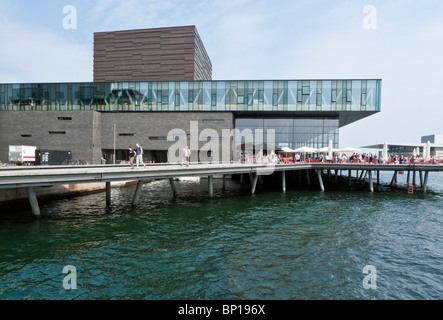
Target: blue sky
[(260, 39)]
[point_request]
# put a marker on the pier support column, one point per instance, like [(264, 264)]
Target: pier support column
[(378, 177), (394, 178), (254, 184), (283, 181), (350, 178), (33, 201), (308, 177), (138, 190), (421, 178), (173, 187), (108, 194), (224, 182), (320, 180), (211, 186), (425, 183), (371, 184)]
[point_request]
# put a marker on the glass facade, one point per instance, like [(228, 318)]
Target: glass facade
[(294, 132), (256, 95)]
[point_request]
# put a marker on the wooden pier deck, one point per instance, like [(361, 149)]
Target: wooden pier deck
[(31, 177)]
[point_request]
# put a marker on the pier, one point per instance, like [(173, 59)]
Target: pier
[(45, 176)]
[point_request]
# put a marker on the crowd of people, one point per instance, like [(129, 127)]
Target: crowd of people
[(279, 157)]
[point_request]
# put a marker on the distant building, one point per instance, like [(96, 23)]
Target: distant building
[(407, 149), (433, 138)]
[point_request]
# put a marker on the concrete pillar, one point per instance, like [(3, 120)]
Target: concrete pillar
[(254, 184), (394, 178), (224, 182), (371, 185), (308, 177), (211, 186), (138, 190), (350, 178), (320, 180), (33, 201), (425, 183), (283, 181), (108, 194), (421, 178), (173, 187)]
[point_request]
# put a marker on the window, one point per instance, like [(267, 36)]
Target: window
[(275, 99), (64, 118), (334, 96), (260, 96), (319, 99), (177, 99), (348, 95), (250, 99), (57, 132), (363, 99), (240, 99), (26, 135), (305, 90), (299, 96), (126, 134), (213, 100), (191, 96), (157, 138)]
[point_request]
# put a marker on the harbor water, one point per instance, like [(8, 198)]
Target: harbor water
[(302, 244)]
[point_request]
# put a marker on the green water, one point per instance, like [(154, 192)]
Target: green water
[(298, 245)]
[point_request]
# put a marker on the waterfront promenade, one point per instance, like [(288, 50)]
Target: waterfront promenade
[(31, 177)]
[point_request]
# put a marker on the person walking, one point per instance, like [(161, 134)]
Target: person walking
[(188, 156), (131, 157), (139, 154), (184, 155)]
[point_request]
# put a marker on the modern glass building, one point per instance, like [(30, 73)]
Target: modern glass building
[(256, 95), (91, 119), (302, 112)]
